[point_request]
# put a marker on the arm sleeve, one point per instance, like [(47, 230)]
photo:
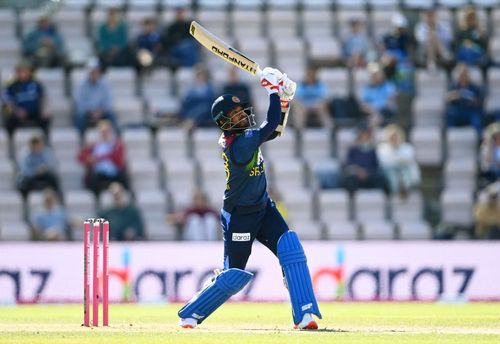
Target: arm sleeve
[(273, 118)]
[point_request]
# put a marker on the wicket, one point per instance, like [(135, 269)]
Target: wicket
[(98, 225)]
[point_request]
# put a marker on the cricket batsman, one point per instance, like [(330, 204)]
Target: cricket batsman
[(248, 213)]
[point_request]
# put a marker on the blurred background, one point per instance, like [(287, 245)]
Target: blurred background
[(394, 132)]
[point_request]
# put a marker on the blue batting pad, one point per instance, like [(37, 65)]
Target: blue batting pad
[(225, 285), (294, 264)]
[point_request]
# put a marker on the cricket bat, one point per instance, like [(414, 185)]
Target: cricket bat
[(234, 57)]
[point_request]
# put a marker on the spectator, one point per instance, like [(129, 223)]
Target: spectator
[(148, 44), (464, 101), (124, 216), (196, 105), (25, 102), (490, 153), (37, 168), (397, 159), (182, 50), (199, 221), (50, 222), (361, 168), (356, 44), (93, 99), (434, 40), (311, 102), (44, 45), (104, 160), (112, 38), (471, 41), (237, 87), (378, 98), (487, 215)]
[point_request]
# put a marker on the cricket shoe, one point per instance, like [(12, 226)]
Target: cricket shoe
[(188, 322), (307, 323)]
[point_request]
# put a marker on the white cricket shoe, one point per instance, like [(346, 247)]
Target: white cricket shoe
[(307, 323), (188, 322)]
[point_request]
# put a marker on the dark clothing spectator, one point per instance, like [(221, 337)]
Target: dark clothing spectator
[(399, 42), (149, 45), (126, 218), (182, 50), (196, 105), (471, 42), (465, 102), (24, 102), (44, 46), (104, 160), (362, 168), (37, 168), (112, 41), (93, 100)]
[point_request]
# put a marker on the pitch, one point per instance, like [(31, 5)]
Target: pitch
[(256, 323)]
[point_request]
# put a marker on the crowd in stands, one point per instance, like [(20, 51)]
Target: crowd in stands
[(381, 157)]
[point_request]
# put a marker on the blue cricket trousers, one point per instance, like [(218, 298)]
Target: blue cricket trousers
[(240, 229)]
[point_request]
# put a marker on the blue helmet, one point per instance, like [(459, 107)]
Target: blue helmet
[(223, 113)]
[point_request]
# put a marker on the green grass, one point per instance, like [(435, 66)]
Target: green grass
[(254, 323)]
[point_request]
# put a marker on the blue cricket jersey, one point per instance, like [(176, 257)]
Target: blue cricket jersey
[(244, 164), (26, 95)]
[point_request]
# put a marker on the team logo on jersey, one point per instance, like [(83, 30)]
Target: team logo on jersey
[(235, 99)]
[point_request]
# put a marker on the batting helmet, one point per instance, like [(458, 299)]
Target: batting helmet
[(224, 114)]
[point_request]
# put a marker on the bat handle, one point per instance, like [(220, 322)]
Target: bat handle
[(258, 72)]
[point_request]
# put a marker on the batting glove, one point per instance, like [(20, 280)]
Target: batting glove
[(270, 80), (288, 87)]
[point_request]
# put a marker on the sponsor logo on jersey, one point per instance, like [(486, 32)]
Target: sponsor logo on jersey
[(241, 236), (306, 307)]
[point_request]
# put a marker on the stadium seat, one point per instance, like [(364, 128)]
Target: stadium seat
[(121, 80), (456, 207), (428, 145), (138, 143), (130, 111), (317, 22), (428, 111), (377, 230), (419, 4), (180, 179), (460, 174), (324, 51), (11, 52), (154, 207), (65, 143), (290, 56), (11, 206), (282, 23), (381, 19), (324, 172), (4, 146), (284, 147), (156, 84), (307, 230), (71, 175), (461, 143), (143, 4), (14, 230), (409, 208), (7, 175), (336, 80), (212, 179), (215, 20), (8, 28), (145, 173), (316, 144), (430, 84), (334, 206), (299, 203), (342, 230), (206, 145), (361, 78), (172, 143), (247, 23), (257, 48), (248, 4), (287, 173), (414, 230), (80, 205), (369, 205)]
